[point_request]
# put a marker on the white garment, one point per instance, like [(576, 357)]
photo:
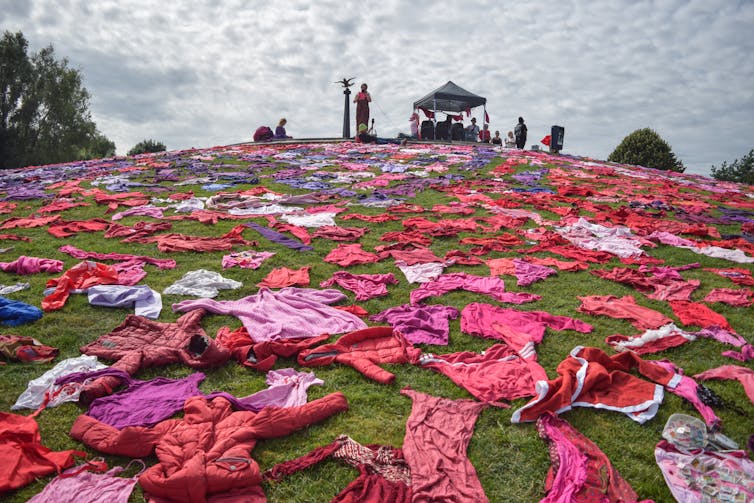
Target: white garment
[(34, 395), (618, 240), (6, 289), (143, 299), (267, 209), (202, 283), (311, 220), (421, 273)]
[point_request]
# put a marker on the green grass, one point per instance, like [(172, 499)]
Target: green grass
[(511, 460)]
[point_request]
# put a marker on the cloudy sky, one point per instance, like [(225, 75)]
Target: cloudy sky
[(198, 74)]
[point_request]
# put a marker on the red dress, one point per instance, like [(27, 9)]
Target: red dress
[(362, 110)]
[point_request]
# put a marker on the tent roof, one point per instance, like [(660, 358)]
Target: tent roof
[(450, 98)]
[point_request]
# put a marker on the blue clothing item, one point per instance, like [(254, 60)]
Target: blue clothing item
[(279, 238), (15, 312)]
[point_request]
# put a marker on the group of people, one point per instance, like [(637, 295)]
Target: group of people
[(365, 134)]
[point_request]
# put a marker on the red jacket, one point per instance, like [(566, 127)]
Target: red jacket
[(363, 350), (141, 343), (208, 452)]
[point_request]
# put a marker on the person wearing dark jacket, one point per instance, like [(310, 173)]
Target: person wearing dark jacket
[(520, 131)]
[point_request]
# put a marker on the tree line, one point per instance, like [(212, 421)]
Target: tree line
[(44, 110)]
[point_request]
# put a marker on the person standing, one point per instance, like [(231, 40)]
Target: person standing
[(484, 134), (497, 140), (362, 100), (520, 130)]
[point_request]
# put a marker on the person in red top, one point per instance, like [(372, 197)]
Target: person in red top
[(484, 134), (362, 100)]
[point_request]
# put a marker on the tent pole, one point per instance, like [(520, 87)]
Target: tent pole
[(434, 119)]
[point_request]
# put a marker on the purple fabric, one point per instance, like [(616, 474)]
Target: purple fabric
[(488, 285), (527, 273), (279, 238), (420, 324), (288, 313), (146, 403)]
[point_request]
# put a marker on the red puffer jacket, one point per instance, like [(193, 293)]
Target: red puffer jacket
[(141, 343), (363, 350), (208, 452)]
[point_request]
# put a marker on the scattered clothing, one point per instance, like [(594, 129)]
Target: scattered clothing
[(24, 265), (281, 277), (365, 286), (25, 350), (75, 485), (210, 445)]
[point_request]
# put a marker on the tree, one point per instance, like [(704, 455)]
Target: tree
[(740, 170), (146, 146), (44, 108), (645, 147)]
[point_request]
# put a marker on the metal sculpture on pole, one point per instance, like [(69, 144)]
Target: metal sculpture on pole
[(346, 83)]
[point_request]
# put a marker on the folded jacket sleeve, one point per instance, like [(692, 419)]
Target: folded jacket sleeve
[(272, 422)]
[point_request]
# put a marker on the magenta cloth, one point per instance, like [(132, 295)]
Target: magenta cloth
[(146, 403), (438, 432), (515, 327), (72, 487), (24, 265), (580, 471), (527, 272), (741, 297), (498, 373), (287, 313), (162, 263), (365, 286), (746, 353), (742, 374), (420, 324), (487, 285)]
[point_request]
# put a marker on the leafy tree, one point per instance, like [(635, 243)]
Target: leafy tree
[(100, 146), (645, 147), (146, 146), (740, 170), (44, 108)]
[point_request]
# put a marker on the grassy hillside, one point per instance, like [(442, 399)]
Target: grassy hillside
[(445, 183)]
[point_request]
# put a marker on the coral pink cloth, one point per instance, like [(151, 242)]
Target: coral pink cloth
[(488, 285), (350, 254), (365, 286), (24, 265), (580, 471), (438, 432), (281, 277), (733, 297), (742, 374), (78, 277), (642, 318), (498, 373), (651, 341)]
